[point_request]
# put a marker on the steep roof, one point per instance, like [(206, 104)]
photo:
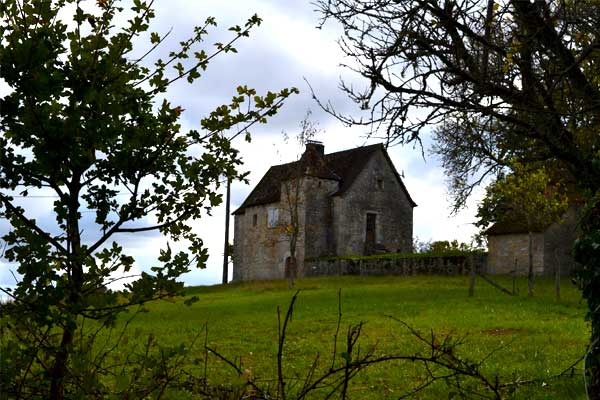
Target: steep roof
[(343, 166), (510, 226)]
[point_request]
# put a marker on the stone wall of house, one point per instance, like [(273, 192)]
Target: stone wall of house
[(260, 251), (238, 247), (319, 239), (508, 253), (389, 203), (558, 243), (447, 265), (250, 261)]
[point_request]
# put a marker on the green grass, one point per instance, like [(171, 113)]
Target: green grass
[(537, 337)]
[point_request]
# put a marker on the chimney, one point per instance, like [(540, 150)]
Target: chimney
[(315, 145)]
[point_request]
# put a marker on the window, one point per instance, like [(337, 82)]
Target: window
[(254, 219), (379, 183), (273, 219)]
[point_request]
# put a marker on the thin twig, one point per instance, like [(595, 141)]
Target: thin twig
[(281, 333)]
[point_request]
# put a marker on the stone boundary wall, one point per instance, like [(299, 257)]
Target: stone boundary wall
[(428, 265)]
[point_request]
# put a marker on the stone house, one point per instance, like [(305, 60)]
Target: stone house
[(508, 244), (351, 202)]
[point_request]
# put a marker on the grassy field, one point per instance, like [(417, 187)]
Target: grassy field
[(536, 338)]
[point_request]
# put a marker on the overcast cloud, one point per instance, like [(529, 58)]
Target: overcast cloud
[(280, 53)]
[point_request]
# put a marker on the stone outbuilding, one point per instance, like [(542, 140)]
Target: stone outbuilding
[(508, 244), (351, 202)]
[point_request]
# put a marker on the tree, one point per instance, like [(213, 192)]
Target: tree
[(524, 195), (502, 81), (444, 246), (293, 194), (513, 80), (82, 124)]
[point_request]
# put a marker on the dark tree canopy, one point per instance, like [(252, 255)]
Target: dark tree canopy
[(499, 80), (82, 123)]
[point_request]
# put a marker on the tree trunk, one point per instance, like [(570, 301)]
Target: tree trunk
[(59, 369), (226, 245), (594, 390), (75, 261), (294, 227), (530, 271), (291, 267), (557, 274), (514, 278)]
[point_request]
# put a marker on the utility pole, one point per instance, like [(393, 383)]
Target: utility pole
[(226, 246)]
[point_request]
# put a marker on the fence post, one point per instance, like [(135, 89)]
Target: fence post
[(471, 276)]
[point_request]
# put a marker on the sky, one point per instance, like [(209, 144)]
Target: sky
[(287, 50)]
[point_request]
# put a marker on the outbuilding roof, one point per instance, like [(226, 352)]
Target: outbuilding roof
[(512, 226)]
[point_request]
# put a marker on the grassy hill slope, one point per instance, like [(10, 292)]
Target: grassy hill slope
[(532, 338)]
